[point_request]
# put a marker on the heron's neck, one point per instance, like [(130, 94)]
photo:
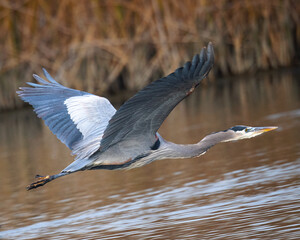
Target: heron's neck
[(173, 150)]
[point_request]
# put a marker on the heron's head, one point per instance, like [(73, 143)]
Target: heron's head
[(243, 132)]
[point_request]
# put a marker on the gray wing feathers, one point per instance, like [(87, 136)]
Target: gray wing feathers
[(141, 116), (48, 102), (77, 118)]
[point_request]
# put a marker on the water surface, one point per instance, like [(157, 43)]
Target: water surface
[(240, 190)]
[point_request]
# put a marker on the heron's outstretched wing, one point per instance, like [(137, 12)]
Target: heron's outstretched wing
[(77, 118), (138, 119)]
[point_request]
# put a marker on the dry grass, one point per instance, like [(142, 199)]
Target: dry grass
[(105, 46)]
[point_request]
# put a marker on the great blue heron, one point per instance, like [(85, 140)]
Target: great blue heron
[(105, 138)]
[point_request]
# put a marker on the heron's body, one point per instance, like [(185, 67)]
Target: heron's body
[(102, 137), (112, 158)]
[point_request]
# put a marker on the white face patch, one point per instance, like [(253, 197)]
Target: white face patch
[(249, 134)]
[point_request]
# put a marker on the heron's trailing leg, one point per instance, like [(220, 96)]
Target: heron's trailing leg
[(42, 180)]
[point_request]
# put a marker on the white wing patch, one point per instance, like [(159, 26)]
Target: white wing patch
[(91, 115)]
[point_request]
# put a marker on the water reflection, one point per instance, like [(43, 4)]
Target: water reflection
[(247, 189)]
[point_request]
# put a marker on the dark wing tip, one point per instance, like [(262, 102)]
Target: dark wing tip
[(202, 63), (210, 53)]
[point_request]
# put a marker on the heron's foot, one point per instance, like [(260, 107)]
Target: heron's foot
[(41, 180)]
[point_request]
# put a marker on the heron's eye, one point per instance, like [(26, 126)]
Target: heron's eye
[(246, 130)]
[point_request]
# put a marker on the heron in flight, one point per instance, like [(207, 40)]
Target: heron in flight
[(102, 137)]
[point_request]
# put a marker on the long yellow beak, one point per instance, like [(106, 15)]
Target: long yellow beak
[(264, 129)]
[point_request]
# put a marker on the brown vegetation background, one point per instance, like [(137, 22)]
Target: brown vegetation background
[(110, 45)]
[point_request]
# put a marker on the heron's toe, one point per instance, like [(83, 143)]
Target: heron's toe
[(40, 182)]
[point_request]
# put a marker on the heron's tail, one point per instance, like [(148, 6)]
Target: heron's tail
[(42, 180)]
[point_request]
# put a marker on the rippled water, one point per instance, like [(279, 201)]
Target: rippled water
[(241, 190)]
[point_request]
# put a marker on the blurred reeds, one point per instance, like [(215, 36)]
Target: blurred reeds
[(110, 45)]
